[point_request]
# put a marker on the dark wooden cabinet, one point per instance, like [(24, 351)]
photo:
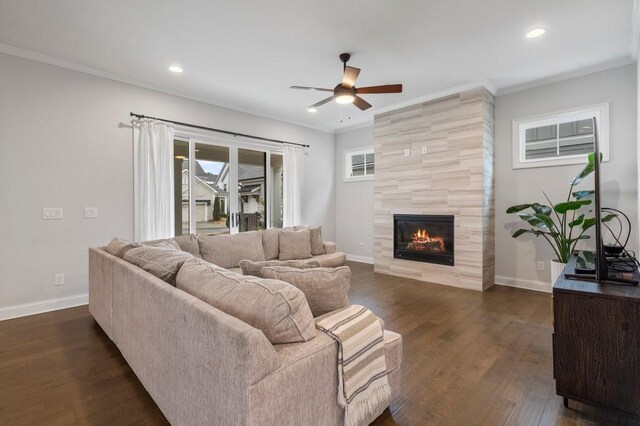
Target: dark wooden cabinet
[(596, 343)]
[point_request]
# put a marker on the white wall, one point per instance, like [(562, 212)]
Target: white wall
[(516, 259), (66, 141), (354, 200)]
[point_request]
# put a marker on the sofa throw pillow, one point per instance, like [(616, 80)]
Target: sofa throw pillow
[(227, 251), (255, 268), (189, 243), (317, 245), (119, 247), (295, 245), (162, 261), (278, 309), (270, 243), (326, 289)]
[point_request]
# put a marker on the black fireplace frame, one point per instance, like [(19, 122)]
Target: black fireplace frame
[(437, 258)]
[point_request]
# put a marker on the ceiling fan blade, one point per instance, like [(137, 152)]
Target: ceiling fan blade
[(387, 88), (322, 102), (350, 76), (317, 89), (361, 103)]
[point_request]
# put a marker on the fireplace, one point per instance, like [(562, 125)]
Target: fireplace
[(424, 238)]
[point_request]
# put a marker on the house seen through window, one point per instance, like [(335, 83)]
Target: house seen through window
[(360, 164), (560, 138)]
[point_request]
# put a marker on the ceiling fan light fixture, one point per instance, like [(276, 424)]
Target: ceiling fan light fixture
[(345, 99)]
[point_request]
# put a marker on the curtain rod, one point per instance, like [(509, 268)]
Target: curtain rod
[(226, 132)]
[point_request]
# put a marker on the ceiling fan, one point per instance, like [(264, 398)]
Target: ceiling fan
[(346, 92)]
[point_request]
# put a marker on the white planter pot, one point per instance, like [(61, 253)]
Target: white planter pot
[(556, 271)]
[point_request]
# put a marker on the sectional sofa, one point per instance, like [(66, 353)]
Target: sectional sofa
[(203, 366)]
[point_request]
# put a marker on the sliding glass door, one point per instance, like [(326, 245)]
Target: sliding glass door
[(252, 190), (221, 189)]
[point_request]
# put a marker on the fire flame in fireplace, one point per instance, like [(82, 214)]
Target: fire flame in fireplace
[(421, 240)]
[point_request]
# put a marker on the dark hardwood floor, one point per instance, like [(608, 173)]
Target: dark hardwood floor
[(469, 358)]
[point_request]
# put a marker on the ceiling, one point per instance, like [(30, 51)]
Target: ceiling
[(245, 54)]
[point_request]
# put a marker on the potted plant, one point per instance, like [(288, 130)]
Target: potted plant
[(562, 224)]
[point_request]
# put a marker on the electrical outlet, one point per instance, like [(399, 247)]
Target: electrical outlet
[(361, 245), (407, 152), (424, 150), (541, 266), (58, 279), (52, 213), (90, 212)]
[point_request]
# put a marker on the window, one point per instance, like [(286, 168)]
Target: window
[(560, 138), (359, 165)]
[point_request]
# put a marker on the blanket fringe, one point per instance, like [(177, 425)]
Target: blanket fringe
[(356, 413)]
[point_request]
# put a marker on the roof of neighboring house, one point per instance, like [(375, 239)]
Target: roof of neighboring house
[(250, 171), (210, 178)]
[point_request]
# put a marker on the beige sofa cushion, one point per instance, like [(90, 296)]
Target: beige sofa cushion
[(331, 260), (160, 261), (270, 243), (119, 247), (189, 243), (317, 246), (249, 267), (278, 309), (295, 244), (227, 251), (326, 289)]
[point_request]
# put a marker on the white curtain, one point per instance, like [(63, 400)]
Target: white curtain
[(292, 182), (153, 180)]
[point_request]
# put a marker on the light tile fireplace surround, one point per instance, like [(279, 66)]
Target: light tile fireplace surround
[(454, 178)]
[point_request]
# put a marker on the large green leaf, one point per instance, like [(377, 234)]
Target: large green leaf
[(579, 195), (530, 231), (541, 209), (520, 232), (581, 237), (588, 223), (588, 169), (518, 208), (534, 220), (562, 208), (577, 221)]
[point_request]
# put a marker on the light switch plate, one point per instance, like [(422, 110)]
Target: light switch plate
[(58, 279), (424, 150), (407, 152), (90, 212), (52, 213)]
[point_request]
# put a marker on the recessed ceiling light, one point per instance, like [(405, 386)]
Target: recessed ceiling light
[(536, 32), (175, 68), (311, 109)]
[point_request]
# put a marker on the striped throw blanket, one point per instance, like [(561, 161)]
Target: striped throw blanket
[(362, 367)]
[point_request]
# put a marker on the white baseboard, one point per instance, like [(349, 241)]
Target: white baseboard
[(361, 259), (525, 284), (25, 309)]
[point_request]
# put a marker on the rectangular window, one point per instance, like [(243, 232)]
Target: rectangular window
[(359, 165), (560, 138)]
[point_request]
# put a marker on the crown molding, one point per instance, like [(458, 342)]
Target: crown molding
[(603, 66), (70, 65)]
